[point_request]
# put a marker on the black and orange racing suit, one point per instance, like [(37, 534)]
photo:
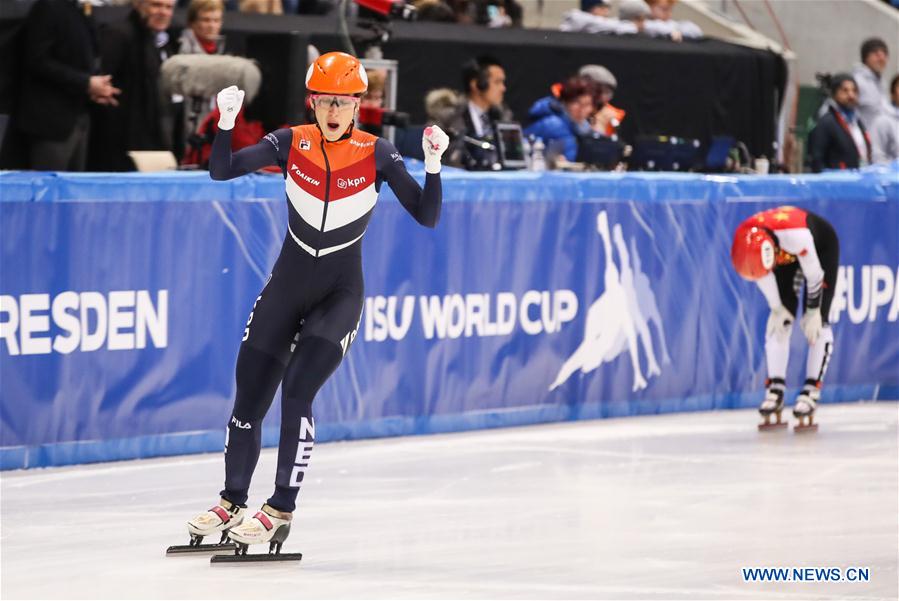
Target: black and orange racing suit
[(307, 314)]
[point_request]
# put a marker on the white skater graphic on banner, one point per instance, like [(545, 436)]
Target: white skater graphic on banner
[(619, 316)]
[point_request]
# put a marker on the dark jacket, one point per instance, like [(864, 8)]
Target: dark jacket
[(551, 123), (59, 56), (831, 146), (466, 154), (143, 119)]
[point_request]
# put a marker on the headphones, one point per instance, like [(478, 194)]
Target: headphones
[(479, 72)]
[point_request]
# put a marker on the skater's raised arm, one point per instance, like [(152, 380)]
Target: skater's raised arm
[(270, 150), (423, 204)]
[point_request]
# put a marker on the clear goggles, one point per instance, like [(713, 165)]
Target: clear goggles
[(333, 100)]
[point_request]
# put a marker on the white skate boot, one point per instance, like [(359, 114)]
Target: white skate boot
[(806, 403), (773, 404), (267, 526), (219, 519)]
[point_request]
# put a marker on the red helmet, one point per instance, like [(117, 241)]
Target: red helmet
[(336, 73), (753, 251)]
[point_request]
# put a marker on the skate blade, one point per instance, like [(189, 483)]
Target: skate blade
[(256, 557), (797, 429), (772, 427), (194, 549)]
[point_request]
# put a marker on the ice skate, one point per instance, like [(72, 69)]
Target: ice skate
[(267, 526), (773, 404), (804, 409), (219, 519)]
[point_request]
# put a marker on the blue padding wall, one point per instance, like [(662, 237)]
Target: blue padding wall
[(540, 297)]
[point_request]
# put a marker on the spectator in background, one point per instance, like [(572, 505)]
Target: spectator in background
[(868, 74), (593, 17), (885, 131), (374, 97), (661, 24), (201, 36), (635, 12), (204, 27), (464, 10), (441, 106), (607, 118), (267, 7), (367, 119), (839, 139), (484, 85), (561, 121), (434, 10), (132, 51), (498, 13), (61, 80)]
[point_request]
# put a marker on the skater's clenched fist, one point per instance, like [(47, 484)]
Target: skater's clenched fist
[(229, 101), (434, 142)]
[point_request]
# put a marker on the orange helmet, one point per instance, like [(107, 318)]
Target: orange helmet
[(753, 252), (336, 73)]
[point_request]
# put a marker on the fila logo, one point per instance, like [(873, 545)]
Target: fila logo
[(242, 425), (305, 144), (352, 182), (303, 176)]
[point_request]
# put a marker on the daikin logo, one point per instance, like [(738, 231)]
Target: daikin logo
[(303, 176), (38, 324)]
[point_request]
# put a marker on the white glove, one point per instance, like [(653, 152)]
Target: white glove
[(780, 323), (434, 142), (811, 324), (228, 102)]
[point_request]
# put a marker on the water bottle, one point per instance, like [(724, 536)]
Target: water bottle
[(538, 158), (526, 151)]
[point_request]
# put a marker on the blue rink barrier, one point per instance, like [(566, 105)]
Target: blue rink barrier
[(539, 298)]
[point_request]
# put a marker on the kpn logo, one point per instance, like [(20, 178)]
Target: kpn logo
[(350, 182), (41, 324)]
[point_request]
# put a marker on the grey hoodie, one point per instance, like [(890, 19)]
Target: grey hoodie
[(885, 136), (578, 20), (871, 98)]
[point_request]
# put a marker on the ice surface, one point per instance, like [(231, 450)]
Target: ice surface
[(661, 507)]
